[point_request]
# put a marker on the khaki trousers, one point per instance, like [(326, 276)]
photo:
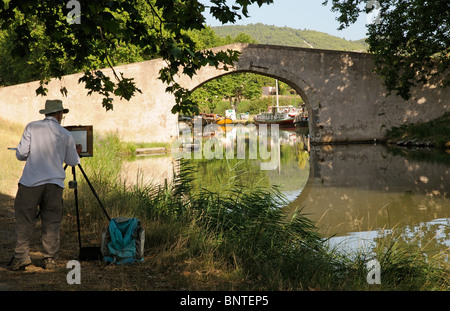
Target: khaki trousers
[(49, 199)]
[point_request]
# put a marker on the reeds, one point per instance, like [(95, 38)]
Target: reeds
[(245, 233)]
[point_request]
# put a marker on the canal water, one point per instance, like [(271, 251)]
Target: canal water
[(354, 193)]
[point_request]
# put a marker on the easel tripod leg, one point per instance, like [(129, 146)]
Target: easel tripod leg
[(75, 190), (93, 191)]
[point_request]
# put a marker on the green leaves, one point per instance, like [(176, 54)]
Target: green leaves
[(111, 32), (411, 43), (98, 82), (126, 88), (222, 12)]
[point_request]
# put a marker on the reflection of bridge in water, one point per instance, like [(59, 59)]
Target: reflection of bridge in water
[(365, 188), (349, 189)]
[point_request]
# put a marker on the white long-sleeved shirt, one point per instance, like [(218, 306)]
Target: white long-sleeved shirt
[(46, 145)]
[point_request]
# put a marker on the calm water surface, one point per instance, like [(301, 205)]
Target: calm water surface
[(354, 193), (358, 193)]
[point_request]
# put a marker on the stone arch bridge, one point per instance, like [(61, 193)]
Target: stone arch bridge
[(346, 101)]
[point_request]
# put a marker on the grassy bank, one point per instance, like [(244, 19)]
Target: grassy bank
[(241, 239), (435, 133), (238, 239), (11, 169)]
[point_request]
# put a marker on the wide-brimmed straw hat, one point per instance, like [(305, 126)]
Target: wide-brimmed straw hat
[(53, 105)]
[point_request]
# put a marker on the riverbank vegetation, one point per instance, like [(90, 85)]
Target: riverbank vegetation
[(240, 238), (435, 133)]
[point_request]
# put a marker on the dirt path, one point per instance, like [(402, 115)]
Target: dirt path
[(34, 277), (6, 236), (156, 273), (95, 275)]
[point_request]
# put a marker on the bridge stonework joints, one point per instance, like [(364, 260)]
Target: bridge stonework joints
[(346, 101)]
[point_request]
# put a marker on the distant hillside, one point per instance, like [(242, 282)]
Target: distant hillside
[(265, 34)]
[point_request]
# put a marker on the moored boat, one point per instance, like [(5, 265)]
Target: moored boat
[(223, 120), (208, 117), (301, 120), (281, 115)]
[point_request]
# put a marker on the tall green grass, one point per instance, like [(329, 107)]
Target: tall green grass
[(246, 232), (436, 131), (10, 167)]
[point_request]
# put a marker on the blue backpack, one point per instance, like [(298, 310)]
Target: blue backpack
[(123, 241)]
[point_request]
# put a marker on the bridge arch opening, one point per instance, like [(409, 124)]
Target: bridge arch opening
[(292, 171), (289, 92)]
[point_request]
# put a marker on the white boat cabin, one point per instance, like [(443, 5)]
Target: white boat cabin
[(278, 113)]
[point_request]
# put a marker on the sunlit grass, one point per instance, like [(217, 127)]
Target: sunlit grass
[(11, 168), (436, 131), (238, 239), (242, 239)]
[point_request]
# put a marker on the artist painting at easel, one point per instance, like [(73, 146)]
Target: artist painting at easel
[(45, 145)]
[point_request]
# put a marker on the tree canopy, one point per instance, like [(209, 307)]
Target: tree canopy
[(409, 39), (57, 38), (232, 88), (48, 39)]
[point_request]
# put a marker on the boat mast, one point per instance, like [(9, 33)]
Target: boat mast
[(276, 90)]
